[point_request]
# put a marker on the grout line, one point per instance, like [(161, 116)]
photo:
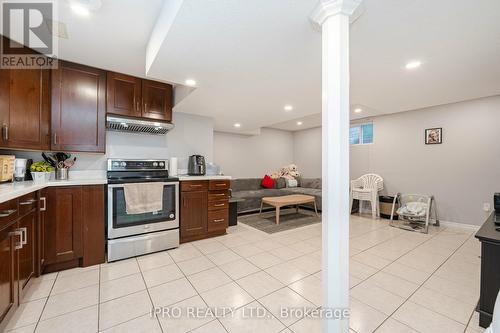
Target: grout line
[(149, 294), (422, 284)]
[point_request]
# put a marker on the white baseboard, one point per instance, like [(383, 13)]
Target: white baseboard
[(459, 225)]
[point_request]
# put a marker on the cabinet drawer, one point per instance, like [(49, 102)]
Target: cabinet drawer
[(218, 195), (219, 184), (217, 220), (9, 212), (218, 205), (194, 185), (27, 203)]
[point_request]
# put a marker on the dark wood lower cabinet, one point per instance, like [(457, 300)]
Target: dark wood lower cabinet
[(27, 261), (204, 209), (194, 209), (63, 224), (9, 273), (73, 227), (50, 230)]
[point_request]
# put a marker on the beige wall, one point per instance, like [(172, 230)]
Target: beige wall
[(307, 152), (462, 173), (254, 156)]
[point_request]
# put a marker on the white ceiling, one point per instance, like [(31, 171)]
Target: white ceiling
[(250, 58)]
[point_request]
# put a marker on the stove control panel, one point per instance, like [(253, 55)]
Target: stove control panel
[(131, 165)]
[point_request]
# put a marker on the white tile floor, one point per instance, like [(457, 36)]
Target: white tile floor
[(400, 282)]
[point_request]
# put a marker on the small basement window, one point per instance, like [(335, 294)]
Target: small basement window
[(361, 134)]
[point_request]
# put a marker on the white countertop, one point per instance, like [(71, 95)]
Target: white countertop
[(186, 177), (9, 191)]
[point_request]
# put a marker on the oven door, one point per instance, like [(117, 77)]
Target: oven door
[(121, 224)]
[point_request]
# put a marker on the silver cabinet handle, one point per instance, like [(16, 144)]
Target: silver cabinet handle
[(219, 205), (219, 220), (44, 207), (24, 235), (5, 130), (55, 138), (29, 202), (220, 184), (8, 212), (19, 233)]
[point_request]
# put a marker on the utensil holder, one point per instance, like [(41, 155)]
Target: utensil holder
[(62, 174)]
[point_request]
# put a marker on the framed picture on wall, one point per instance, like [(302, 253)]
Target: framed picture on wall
[(433, 136)]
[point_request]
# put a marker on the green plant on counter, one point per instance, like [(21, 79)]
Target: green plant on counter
[(41, 167)]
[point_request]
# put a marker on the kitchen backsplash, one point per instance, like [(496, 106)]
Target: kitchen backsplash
[(192, 135)]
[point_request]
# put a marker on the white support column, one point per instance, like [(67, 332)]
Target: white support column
[(333, 18)]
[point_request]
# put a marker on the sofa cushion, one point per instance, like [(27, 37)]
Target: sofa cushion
[(280, 183), (267, 182), (244, 184), (310, 183)]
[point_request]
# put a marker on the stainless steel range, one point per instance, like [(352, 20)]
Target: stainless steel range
[(131, 235)]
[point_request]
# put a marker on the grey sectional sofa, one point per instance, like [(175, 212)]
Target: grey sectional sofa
[(250, 190)]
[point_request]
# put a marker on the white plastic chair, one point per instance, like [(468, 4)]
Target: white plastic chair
[(366, 188)]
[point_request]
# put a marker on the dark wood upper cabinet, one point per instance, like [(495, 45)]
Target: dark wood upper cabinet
[(134, 97), (25, 109), (124, 94), (156, 100), (63, 224), (78, 108)]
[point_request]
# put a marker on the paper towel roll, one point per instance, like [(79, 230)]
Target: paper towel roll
[(172, 170)]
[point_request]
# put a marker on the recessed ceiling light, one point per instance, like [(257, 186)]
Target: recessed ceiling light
[(358, 110), (237, 125), (288, 108), (413, 64), (80, 9), (299, 123), (190, 82)]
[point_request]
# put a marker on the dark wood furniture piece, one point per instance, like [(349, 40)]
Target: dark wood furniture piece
[(204, 209), (44, 231), (490, 270), (73, 222), (18, 244), (25, 109), (64, 109), (78, 108), (134, 97)]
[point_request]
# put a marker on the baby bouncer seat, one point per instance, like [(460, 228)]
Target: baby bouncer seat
[(414, 212)]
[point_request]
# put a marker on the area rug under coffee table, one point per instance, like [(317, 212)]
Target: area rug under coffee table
[(289, 219)]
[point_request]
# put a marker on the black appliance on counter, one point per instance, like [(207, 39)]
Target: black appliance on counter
[(196, 165), (496, 205)]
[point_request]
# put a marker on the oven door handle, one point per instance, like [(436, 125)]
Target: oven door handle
[(122, 185)]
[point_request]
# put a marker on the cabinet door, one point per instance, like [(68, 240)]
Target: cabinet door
[(24, 108), (78, 108), (27, 261), (123, 94), (41, 230), (194, 213), (156, 100), (63, 224), (8, 274)]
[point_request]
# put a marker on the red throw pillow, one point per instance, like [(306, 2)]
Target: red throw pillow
[(267, 182)]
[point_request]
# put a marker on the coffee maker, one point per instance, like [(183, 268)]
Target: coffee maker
[(196, 165)]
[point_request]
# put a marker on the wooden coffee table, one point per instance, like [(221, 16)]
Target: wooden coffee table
[(288, 200)]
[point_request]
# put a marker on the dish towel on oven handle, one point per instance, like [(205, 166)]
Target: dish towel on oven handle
[(143, 198)]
